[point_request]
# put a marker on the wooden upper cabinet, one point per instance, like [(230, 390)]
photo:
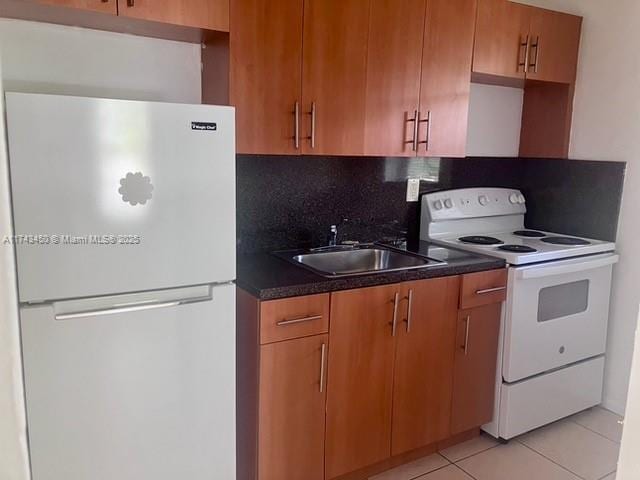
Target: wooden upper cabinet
[(360, 378), (207, 14), (292, 409), (108, 6), (522, 42), (334, 76), (423, 379), (396, 30), (446, 78), (266, 74), (502, 31), (475, 367), (555, 40)]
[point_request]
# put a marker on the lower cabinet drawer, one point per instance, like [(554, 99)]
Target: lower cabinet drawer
[(483, 288), (294, 318)]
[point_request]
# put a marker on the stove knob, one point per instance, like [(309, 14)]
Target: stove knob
[(438, 205), (448, 203), (483, 199), (513, 198), (521, 199)]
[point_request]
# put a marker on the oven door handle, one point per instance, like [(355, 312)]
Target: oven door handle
[(578, 265)]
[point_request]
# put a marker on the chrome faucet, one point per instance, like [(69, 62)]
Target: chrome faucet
[(333, 236)]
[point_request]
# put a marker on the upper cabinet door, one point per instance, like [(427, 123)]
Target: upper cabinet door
[(446, 78), (208, 14), (396, 32), (423, 380), (266, 75), (555, 40), (502, 31), (334, 76), (362, 347), (105, 6)]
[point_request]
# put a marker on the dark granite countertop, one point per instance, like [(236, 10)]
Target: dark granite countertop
[(268, 277)]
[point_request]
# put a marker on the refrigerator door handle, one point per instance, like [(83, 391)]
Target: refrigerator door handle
[(130, 307)]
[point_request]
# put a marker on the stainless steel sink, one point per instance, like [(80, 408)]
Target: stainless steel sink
[(339, 262)]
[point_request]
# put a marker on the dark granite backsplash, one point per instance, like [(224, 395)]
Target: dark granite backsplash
[(291, 201)]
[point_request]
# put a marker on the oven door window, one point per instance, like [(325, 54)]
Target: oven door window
[(563, 300)]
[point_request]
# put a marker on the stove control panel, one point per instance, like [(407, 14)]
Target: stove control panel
[(473, 203)]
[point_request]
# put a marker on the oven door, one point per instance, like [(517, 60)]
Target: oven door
[(556, 314)]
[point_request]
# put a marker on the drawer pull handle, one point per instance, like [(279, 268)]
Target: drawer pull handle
[(394, 321), (323, 360), (409, 307), (467, 321), (490, 290), (284, 323), (414, 140), (525, 63), (296, 124)]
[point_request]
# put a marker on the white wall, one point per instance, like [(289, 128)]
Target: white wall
[(66, 60), (606, 126), (44, 58), (495, 115), (629, 464)]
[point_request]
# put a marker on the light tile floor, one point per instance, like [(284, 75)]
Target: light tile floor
[(582, 447)]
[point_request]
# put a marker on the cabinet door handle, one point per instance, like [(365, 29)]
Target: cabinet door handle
[(490, 290), (414, 140), (130, 3), (394, 321), (312, 137), (467, 321), (284, 323), (296, 125), (428, 121), (410, 302), (525, 63), (536, 45), (323, 359)]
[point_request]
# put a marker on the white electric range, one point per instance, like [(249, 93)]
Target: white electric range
[(554, 327)]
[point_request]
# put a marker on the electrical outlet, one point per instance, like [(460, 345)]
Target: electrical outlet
[(413, 190)]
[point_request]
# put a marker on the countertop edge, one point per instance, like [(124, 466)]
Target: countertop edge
[(326, 285)]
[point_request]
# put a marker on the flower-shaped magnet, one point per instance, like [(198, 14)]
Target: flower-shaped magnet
[(136, 189)]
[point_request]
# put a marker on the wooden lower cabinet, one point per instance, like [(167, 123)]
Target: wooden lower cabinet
[(475, 367), (402, 372), (423, 377), (291, 414), (360, 389)]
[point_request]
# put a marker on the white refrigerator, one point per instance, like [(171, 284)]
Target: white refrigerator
[(124, 217)]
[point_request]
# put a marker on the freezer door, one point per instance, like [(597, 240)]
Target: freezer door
[(114, 196), (147, 393)]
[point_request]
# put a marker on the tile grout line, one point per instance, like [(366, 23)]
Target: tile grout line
[(615, 471), (594, 431), (473, 454), (552, 461), (432, 471), (449, 463), (464, 471)]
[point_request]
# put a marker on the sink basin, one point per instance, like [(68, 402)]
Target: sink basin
[(337, 263)]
